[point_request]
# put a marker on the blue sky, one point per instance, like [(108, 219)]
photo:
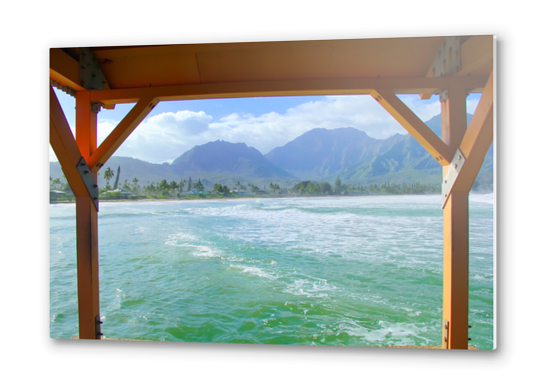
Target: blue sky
[(264, 123)]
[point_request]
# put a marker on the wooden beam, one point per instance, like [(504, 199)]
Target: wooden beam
[(476, 52), (88, 291), (340, 86), (431, 73), (86, 125), (65, 147), (64, 69), (87, 227), (121, 132), (412, 123), (454, 115), (455, 313), (456, 231), (476, 141)]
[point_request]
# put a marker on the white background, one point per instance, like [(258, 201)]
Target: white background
[(29, 30)]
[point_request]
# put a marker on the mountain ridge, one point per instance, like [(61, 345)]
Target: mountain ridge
[(319, 155)]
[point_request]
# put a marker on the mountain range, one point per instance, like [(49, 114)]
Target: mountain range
[(318, 155)]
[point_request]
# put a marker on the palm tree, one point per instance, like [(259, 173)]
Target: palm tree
[(163, 186), (108, 175), (135, 187)]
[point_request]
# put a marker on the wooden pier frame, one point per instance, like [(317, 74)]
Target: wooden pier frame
[(382, 68)]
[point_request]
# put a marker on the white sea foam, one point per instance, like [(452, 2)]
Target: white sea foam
[(310, 287), (207, 252), (255, 271), (180, 238), (399, 333)]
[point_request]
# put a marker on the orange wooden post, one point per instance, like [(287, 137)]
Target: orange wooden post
[(87, 228), (456, 231)]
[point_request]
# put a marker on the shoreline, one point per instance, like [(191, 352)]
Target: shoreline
[(253, 197)]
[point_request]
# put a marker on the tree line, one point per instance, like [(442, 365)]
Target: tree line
[(325, 189), (174, 188)]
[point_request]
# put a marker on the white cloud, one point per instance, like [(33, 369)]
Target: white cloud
[(161, 138), (272, 129), (424, 109)]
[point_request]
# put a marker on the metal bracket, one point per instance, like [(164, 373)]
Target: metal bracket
[(90, 72), (451, 176), (447, 62), (447, 337), (89, 181), (98, 327), (443, 96), (95, 106)]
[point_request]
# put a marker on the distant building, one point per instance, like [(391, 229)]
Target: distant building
[(122, 192), (54, 194)]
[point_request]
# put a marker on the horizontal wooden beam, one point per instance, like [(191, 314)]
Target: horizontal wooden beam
[(341, 86), (65, 147), (414, 125), (64, 69), (476, 52), (121, 132)]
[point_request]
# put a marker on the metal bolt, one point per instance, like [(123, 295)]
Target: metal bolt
[(445, 181), (95, 198), (455, 165), (95, 186), (86, 172)]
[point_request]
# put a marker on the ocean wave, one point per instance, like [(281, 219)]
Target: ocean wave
[(482, 198)]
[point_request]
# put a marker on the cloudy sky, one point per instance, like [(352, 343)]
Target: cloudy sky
[(264, 123)]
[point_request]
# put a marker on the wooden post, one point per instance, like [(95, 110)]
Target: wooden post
[(87, 228), (456, 232)]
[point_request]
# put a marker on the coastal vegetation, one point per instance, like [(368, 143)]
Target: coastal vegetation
[(187, 190)]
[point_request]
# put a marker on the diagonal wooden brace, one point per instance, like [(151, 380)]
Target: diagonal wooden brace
[(66, 150), (412, 123), (121, 132), (473, 147)]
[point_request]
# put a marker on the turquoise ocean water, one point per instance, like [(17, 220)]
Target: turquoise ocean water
[(351, 271)]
